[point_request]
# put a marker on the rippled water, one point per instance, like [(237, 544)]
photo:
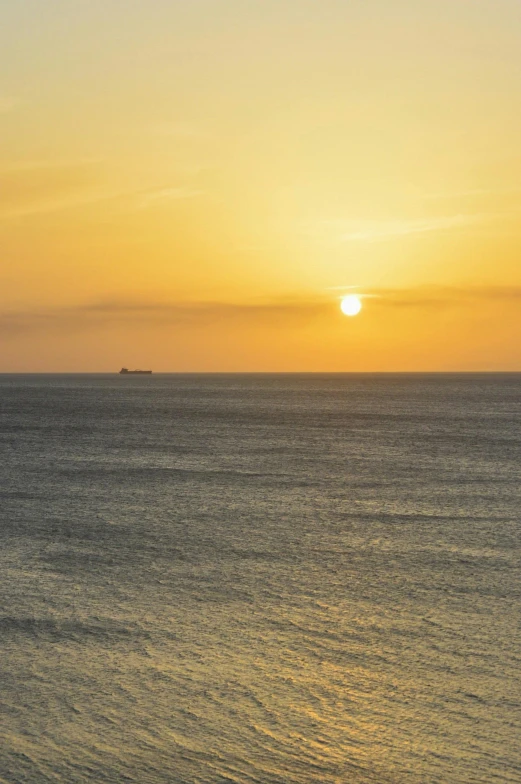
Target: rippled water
[(272, 579)]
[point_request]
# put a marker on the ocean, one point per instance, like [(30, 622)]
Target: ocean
[(280, 579)]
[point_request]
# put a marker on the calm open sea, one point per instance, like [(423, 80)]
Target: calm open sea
[(272, 579)]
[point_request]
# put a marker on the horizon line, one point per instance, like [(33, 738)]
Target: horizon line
[(260, 372)]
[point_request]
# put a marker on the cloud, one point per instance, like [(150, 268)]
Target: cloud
[(472, 193), (35, 165), (274, 312), (39, 187), (431, 297), (104, 314), (443, 297), (33, 187), (383, 230), (169, 194)]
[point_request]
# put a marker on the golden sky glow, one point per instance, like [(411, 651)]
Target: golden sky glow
[(193, 185)]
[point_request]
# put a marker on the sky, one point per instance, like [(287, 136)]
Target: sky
[(193, 185)]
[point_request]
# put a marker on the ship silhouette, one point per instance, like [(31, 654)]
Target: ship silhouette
[(126, 371)]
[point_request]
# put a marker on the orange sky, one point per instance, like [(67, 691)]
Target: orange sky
[(193, 186)]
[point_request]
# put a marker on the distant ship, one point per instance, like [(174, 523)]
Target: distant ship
[(126, 371)]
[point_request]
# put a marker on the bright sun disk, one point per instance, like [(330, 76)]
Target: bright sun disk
[(351, 305)]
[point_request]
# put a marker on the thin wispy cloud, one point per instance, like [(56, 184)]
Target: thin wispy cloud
[(342, 288), (443, 297), (383, 230), (40, 164), (41, 187), (194, 314), (430, 297), (275, 313), (33, 187), (162, 195), (55, 205), (472, 193)]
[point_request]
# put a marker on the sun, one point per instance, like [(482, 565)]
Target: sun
[(351, 305)]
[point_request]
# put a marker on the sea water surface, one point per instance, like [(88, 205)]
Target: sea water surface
[(260, 578)]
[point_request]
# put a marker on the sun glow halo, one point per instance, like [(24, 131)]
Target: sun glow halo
[(351, 305)]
